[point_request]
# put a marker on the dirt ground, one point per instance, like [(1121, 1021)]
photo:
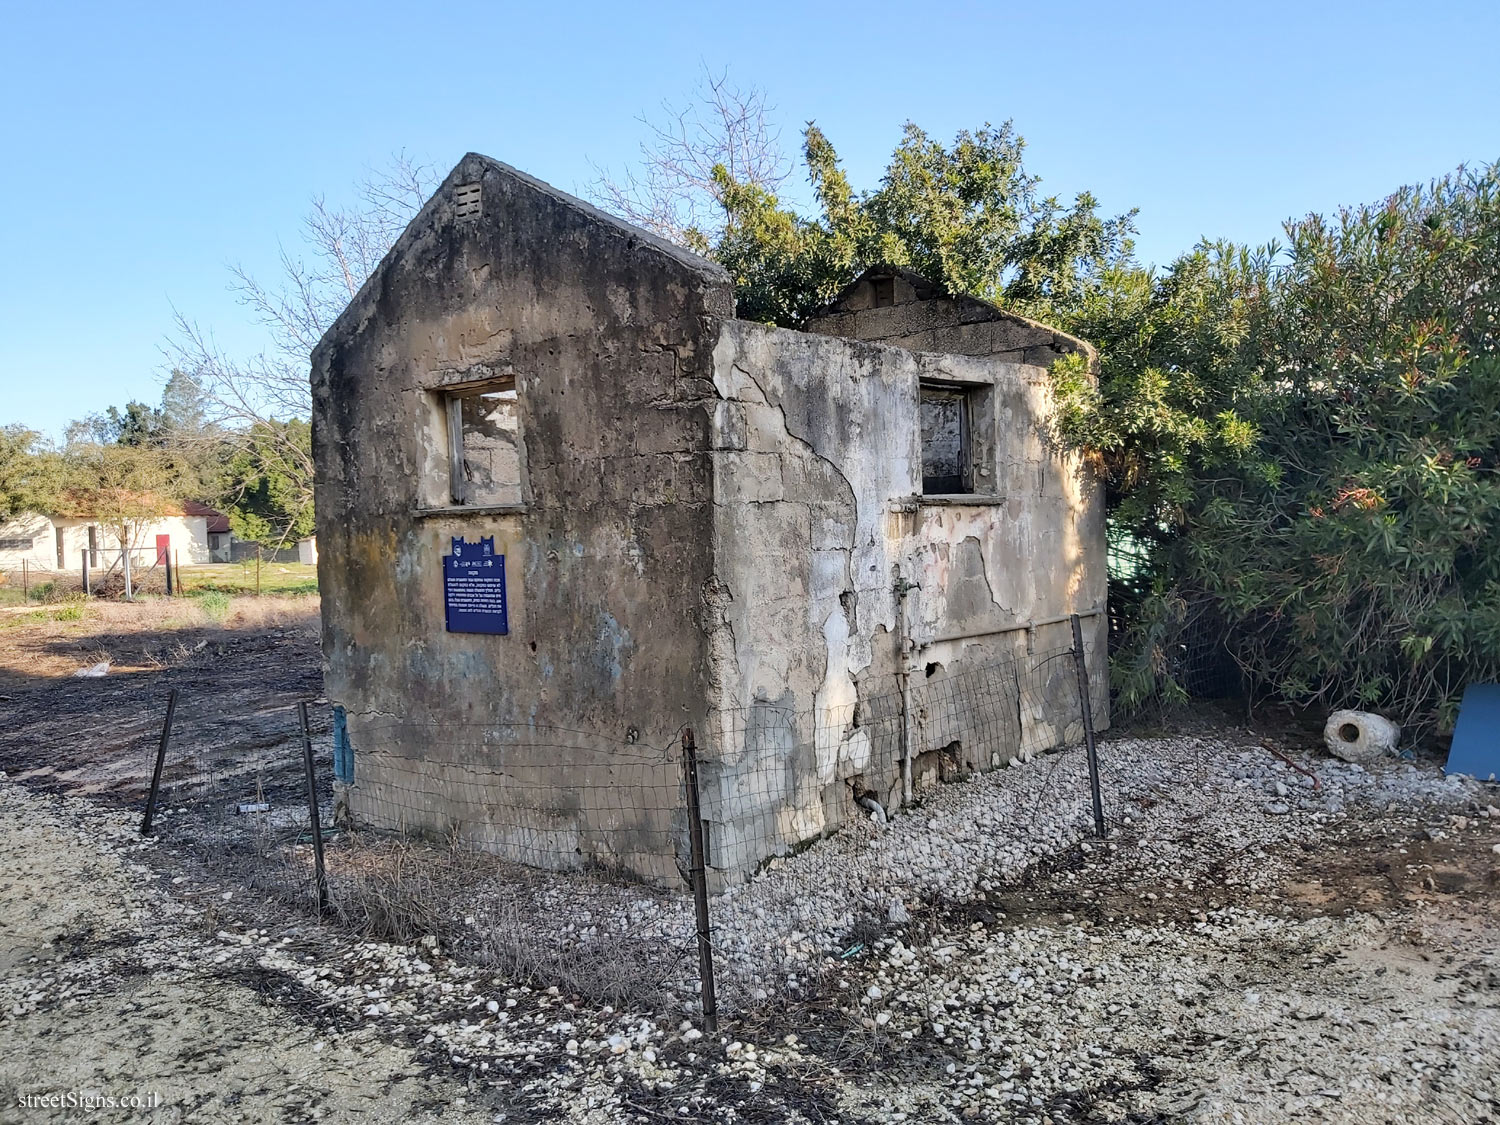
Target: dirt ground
[(1231, 954), (238, 678)]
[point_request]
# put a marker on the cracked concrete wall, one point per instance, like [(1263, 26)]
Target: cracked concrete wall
[(817, 511), (712, 518), (522, 743)]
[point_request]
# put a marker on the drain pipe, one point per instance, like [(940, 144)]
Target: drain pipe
[(903, 677), (877, 813)]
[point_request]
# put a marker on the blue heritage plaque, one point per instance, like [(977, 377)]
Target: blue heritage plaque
[(474, 588)]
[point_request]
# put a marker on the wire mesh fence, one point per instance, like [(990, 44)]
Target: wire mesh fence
[(542, 795), (1167, 654), (773, 777), (236, 796), (566, 855), (106, 576)]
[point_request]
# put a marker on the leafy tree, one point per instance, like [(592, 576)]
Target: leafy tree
[(1303, 443), (137, 424), (185, 407), (271, 497), (121, 486), (29, 472), (1173, 406), (967, 215), (1362, 570)]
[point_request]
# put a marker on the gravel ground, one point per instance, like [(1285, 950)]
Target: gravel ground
[(1243, 947)]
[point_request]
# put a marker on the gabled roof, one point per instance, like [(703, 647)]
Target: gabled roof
[(970, 309), (927, 289), (475, 167), (218, 522)]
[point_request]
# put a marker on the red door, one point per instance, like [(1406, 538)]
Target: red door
[(163, 546)]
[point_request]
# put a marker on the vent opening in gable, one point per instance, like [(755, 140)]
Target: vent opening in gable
[(467, 201)]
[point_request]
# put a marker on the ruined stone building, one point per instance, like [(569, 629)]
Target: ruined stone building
[(568, 503)]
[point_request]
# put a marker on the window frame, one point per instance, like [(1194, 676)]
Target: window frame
[(447, 399), (976, 442), (963, 393)]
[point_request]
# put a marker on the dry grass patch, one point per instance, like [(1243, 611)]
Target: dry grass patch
[(494, 913)]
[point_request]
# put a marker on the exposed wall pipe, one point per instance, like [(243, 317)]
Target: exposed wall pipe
[(1025, 625), (903, 680), (875, 808)]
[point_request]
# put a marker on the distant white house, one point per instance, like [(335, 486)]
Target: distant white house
[(194, 532)]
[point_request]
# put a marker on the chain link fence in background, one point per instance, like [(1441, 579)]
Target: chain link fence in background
[(1167, 654), (101, 573), (559, 856)]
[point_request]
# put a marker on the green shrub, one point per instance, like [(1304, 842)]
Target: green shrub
[(215, 603), (1308, 439)]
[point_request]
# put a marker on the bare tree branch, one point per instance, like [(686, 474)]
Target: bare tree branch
[(673, 191), (341, 246)]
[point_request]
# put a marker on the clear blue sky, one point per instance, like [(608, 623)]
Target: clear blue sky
[(146, 146)]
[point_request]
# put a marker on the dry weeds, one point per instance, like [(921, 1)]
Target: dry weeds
[(399, 889), (402, 889)]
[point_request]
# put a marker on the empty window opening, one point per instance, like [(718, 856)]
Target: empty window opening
[(484, 464), (946, 455), (885, 291), (15, 544)]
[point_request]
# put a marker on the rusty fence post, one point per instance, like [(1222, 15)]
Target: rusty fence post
[(320, 873), (161, 756), (700, 884), (86, 590), (1088, 723)]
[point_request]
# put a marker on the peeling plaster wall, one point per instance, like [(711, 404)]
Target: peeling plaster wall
[(817, 508), (607, 333), (713, 518)]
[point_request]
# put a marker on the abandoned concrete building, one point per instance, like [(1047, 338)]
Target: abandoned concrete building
[(568, 504)]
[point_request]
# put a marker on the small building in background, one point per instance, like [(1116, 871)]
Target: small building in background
[(568, 505), (195, 534)]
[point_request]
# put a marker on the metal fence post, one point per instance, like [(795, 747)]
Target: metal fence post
[(700, 884), (1088, 723), (125, 565), (86, 590), (161, 755), (25, 581), (166, 558), (320, 873)]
